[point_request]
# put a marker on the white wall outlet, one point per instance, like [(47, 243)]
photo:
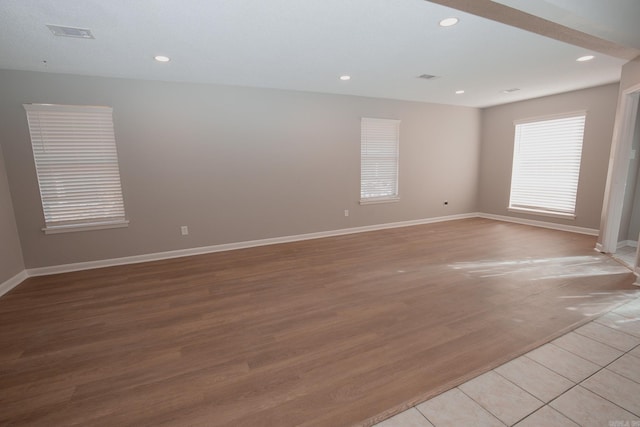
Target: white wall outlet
[(346, 212), (184, 230)]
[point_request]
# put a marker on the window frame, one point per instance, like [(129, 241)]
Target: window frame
[(60, 173), (366, 142), (517, 140)]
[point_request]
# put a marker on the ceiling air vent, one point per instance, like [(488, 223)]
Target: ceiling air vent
[(81, 33), (427, 77)]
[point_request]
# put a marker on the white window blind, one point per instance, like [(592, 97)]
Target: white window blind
[(546, 165), (76, 162), (379, 153)]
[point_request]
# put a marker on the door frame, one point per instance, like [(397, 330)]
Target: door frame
[(623, 132)]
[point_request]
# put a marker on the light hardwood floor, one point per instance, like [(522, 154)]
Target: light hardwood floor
[(329, 332)]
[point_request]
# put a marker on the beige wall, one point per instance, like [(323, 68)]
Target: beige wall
[(236, 164), (11, 262), (497, 150)]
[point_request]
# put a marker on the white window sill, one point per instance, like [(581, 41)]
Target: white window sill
[(541, 212), (376, 200), (55, 229)]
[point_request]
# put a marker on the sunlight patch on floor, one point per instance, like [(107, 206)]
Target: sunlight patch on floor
[(543, 268), (626, 255)]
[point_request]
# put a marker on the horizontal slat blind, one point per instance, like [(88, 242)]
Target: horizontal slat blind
[(546, 164), (76, 161), (379, 153)]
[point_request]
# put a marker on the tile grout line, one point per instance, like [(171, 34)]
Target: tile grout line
[(582, 357), (619, 330), (605, 367), (578, 384), (558, 373), (526, 391), (605, 326), (546, 367), (479, 404), (423, 415), (627, 354), (585, 388)]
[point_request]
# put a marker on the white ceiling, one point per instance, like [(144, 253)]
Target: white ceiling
[(307, 44)]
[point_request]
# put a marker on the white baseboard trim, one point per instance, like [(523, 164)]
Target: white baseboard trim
[(158, 256), (543, 224), (630, 243), (7, 285)]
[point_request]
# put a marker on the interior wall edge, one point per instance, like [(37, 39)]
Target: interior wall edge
[(67, 268), (158, 256), (11, 283), (11, 253)]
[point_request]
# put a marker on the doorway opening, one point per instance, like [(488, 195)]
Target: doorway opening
[(620, 224)]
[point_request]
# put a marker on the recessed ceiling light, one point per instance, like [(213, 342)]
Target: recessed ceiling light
[(459, 92), (585, 58), (448, 22), (162, 58), (345, 78)]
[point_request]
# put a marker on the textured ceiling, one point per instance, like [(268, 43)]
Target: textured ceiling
[(306, 45)]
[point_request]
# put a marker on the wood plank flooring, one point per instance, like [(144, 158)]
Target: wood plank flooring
[(330, 332)]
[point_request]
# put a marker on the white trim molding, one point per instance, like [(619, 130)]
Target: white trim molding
[(158, 256), (543, 224), (85, 227), (631, 243), (7, 285), (378, 200), (623, 130), (550, 117), (542, 213)]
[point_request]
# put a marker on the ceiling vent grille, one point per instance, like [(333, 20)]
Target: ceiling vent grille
[(428, 77), (80, 33)]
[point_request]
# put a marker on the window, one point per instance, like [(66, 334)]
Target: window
[(546, 165), (76, 162), (379, 146)]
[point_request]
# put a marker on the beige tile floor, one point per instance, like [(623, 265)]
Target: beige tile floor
[(588, 377)]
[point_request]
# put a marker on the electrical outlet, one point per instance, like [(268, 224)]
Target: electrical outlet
[(184, 230), (346, 212)]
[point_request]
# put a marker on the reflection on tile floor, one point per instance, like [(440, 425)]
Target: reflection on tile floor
[(588, 377), (627, 255)]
